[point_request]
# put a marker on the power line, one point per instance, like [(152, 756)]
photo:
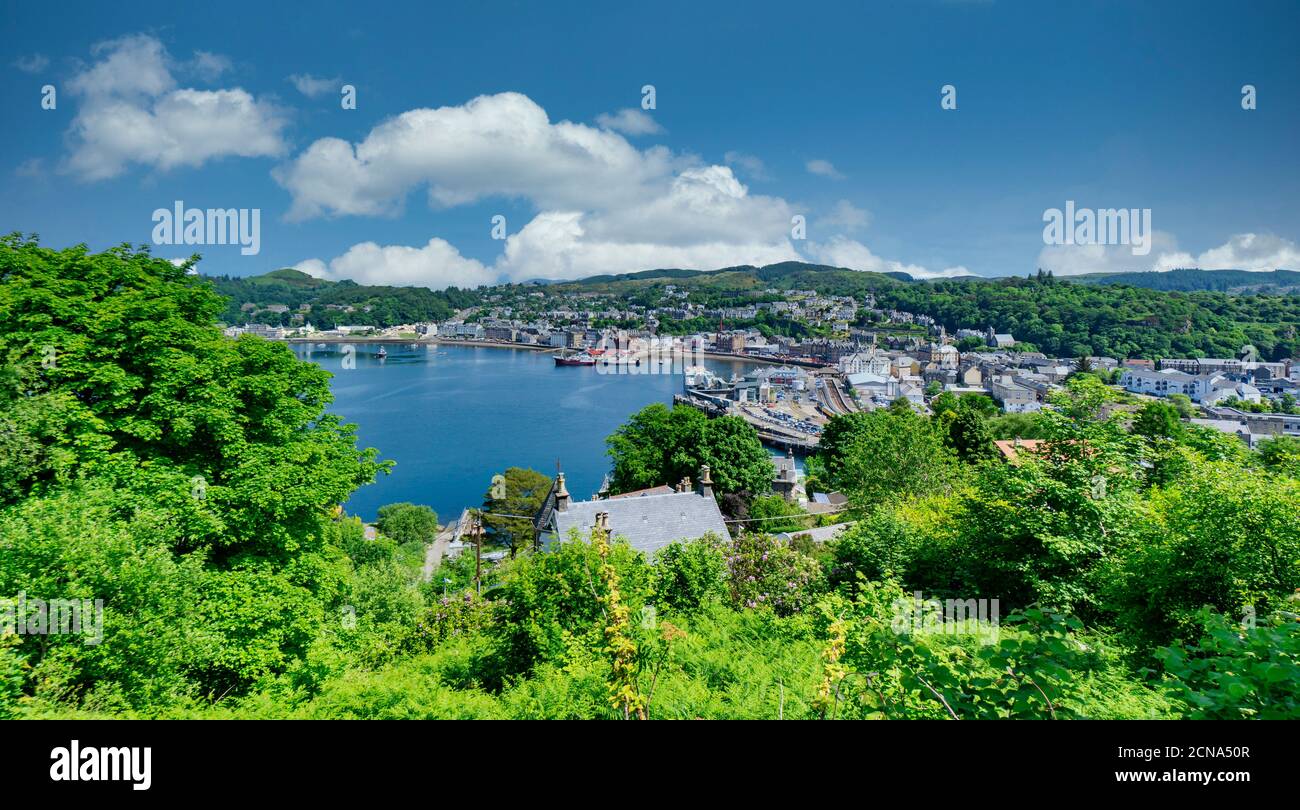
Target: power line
[(783, 517)]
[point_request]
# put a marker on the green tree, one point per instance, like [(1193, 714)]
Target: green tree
[(408, 523), (945, 402), (659, 446), (1281, 454), (970, 438), (185, 478), (1158, 420), (876, 455), (519, 491), (1183, 404), (773, 513), (981, 403)]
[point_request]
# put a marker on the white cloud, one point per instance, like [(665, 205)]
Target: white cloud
[(436, 265), (749, 164), (561, 245), (1245, 251), (841, 251), (132, 66), (313, 87), (630, 121), (603, 206), (35, 63), (1251, 251), (848, 216), (132, 112), (501, 145), (824, 168)]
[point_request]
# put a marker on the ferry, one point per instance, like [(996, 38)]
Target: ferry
[(581, 359)]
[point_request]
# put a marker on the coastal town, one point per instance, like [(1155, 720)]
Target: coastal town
[(884, 361), (812, 355)]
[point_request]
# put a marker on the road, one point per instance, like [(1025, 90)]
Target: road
[(433, 554)]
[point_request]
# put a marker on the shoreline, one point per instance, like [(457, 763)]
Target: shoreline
[(533, 347)]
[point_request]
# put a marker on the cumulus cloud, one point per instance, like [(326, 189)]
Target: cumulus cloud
[(602, 205), (1245, 251), (501, 145), (630, 121), (313, 87), (560, 245), (35, 63), (1251, 251), (437, 264), (131, 111), (840, 251), (823, 168)]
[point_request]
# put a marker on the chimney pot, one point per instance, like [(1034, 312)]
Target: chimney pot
[(561, 494)]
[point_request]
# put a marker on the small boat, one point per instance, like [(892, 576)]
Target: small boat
[(382, 353)]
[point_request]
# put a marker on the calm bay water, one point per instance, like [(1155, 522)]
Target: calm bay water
[(453, 416)]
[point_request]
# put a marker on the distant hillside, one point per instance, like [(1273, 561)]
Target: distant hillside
[(1190, 280), (781, 276), (290, 277), (325, 303)]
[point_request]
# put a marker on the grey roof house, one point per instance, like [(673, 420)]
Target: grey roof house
[(648, 520)]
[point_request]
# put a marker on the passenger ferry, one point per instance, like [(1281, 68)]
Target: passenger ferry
[(579, 359)]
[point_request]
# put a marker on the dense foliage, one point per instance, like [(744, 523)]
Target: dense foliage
[(1130, 566), (1067, 320)]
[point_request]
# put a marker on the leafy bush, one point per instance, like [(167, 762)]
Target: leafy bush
[(1236, 673), (765, 573), (690, 575)]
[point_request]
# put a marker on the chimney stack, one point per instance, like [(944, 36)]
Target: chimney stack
[(706, 483), (561, 494)]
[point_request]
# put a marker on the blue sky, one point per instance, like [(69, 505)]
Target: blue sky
[(763, 111)]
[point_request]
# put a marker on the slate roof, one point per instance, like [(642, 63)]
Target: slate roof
[(663, 489), (648, 522)]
